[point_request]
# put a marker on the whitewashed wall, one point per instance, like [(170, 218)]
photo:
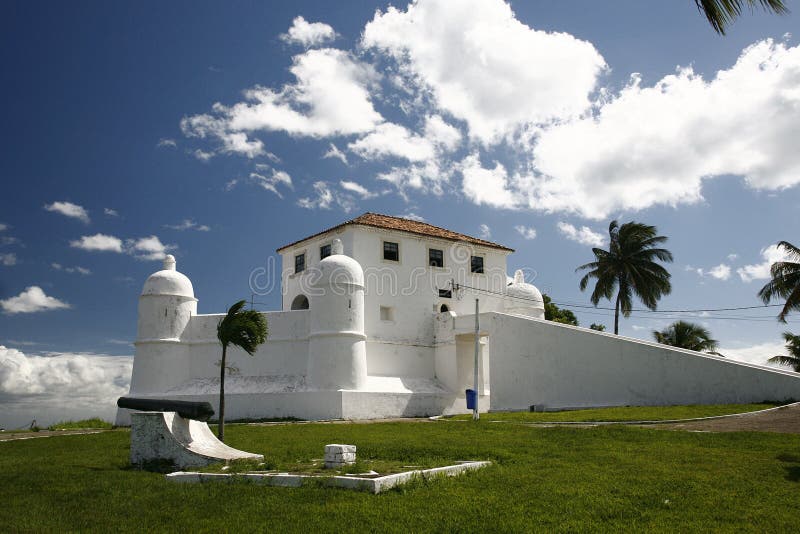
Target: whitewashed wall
[(537, 362)]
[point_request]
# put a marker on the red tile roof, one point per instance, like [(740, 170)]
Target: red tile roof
[(376, 220)]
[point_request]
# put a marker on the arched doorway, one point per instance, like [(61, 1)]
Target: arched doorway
[(300, 302), (444, 308)]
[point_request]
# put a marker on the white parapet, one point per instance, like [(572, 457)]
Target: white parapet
[(168, 437)]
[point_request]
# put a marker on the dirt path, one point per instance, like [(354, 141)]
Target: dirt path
[(785, 419)]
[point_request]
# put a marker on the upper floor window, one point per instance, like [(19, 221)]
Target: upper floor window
[(446, 293), (299, 263), (391, 251), (476, 264), (435, 257), (324, 251)]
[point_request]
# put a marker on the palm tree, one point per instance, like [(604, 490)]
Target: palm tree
[(785, 281), (793, 347), (722, 13), (246, 329), (687, 335), (629, 267)]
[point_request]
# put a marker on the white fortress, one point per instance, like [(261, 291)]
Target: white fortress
[(378, 320)]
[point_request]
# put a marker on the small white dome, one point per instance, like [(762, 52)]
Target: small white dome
[(523, 294), (339, 269), (168, 281)]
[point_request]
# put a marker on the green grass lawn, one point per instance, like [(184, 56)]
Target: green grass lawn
[(623, 413), (92, 423), (543, 479)]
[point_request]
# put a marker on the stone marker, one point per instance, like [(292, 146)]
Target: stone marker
[(337, 455)]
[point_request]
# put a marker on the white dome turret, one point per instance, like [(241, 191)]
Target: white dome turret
[(168, 281), (523, 298)]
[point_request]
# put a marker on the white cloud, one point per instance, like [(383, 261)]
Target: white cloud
[(147, 248), (486, 186), (69, 209), (391, 139), (110, 212), (166, 142), (8, 259), (330, 97), (9, 240), (142, 248), (77, 269), (441, 134), (334, 152), (98, 242), (655, 145), (484, 231), (4, 227), (60, 386), (720, 272), (484, 66), (32, 300), (356, 188), (323, 199), (527, 232), (583, 235), (412, 216), (308, 34), (202, 155), (757, 354), (733, 257), (427, 176), (269, 180), (188, 224), (760, 271)]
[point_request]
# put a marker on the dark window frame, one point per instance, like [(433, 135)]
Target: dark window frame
[(322, 254), (395, 252), (436, 262), (445, 293), (301, 263), (474, 268)]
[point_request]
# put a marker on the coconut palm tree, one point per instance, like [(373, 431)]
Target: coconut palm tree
[(785, 281), (722, 13), (793, 347), (246, 329), (687, 335), (629, 267)]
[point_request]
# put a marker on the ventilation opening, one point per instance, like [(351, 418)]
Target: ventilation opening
[(444, 308), (387, 313), (300, 302)]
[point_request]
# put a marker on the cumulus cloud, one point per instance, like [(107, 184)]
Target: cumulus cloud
[(8, 259), (110, 212), (166, 142), (391, 139), (527, 232), (412, 216), (335, 153), (60, 386), (484, 66), (69, 209), (443, 135), (4, 227), (356, 188), (188, 224), (267, 178), (32, 300), (77, 269), (760, 271), (331, 96), (486, 186), (583, 235), (142, 248), (655, 145), (308, 34), (757, 354), (322, 199), (720, 272), (484, 231), (98, 242)]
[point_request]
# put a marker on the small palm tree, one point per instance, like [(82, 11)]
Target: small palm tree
[(785, 281), (793, 347), (722, 13), (629, 267), (687, 335), (246, 329)]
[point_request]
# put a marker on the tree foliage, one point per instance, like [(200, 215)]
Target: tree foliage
[(785, 282), (597, 326), (722, 13), (246, 329), (629, 267), (687, 335), (793, 348), (556, 314)]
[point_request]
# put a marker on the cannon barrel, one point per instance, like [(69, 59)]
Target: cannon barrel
[(200, 411)]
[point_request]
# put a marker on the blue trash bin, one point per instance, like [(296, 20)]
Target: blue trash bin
[(471, 397)]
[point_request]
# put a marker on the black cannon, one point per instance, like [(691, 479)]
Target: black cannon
[(200, 411)]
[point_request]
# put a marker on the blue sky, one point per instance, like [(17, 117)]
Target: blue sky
[(201, 129)]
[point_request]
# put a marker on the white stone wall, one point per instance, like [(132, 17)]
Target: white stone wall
[(537, 362)]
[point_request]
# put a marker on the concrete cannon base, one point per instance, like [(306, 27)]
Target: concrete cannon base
[(167, 437)]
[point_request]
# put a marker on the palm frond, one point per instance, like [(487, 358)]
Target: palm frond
[(721, 13)]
